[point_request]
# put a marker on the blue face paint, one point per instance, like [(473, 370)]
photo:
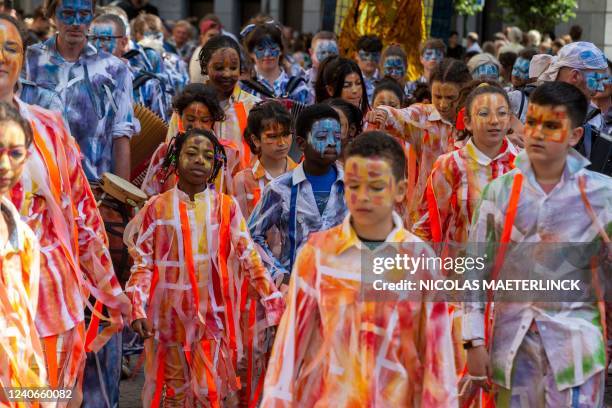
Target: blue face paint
[(75, 12), (103, 38), (394, 67), (369, 56), (432, 54), (326, 48), (486, 71), (325, 133), (267, 48), (596, 81), (521, 68), (154, 35)]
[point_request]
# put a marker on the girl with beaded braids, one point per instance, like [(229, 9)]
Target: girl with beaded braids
[(195, 107), (194, 264)]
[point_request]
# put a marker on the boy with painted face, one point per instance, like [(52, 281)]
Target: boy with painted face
[(361, 352), (552, 354), (108, 33), (323, 45), (94, 86), (367, 56), (585, 66), (309, 198), (393, 64), (432, 53), (265, 47)]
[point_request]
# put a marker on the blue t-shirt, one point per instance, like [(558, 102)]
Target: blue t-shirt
[(321, 186)]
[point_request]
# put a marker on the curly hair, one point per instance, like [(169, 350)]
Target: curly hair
[(199, 93)]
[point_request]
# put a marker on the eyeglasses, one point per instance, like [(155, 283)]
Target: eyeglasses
[(16, 154), (103, 38)]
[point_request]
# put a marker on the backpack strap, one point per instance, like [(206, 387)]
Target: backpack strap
[(292, 85), (142, 78)]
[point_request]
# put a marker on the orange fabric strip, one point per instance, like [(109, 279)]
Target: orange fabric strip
[(256, 196), (210, 380), (249, 346), (188, 250), (224, 250), (159, 376), (50, 344), (92, 330), (434, 216), (245, 158), (412, 168), (515, 194)]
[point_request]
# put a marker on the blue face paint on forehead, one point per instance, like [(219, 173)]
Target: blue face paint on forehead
[(267, 48), (369, 56), (432, 54), (103, 37), (596, 81), (326, 48), (325, 133), (394, 66), (521, 68), (75, 12), (486, 71)]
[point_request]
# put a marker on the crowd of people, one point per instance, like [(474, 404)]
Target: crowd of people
[(283, 162)]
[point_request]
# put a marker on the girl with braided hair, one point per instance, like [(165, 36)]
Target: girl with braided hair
[(189, 284)]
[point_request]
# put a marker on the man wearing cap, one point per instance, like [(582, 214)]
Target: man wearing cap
[(585, 66)]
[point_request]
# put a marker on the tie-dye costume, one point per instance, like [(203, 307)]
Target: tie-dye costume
[(187, 254), (430, 136), (22, 363), (54, 198), (335, 349), (300, 94), (96, 92), (288, 205), (568, 334)]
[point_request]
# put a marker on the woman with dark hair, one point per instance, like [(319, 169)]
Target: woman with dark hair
[(264, 44), (341, 78)]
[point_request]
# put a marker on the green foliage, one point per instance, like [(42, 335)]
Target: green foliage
[(468, 7), (542, 15)]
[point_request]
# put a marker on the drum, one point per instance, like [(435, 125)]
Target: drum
[(153, 131), (117, 200)]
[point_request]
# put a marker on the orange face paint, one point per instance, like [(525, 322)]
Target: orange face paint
[(369, 183), (548, 123)]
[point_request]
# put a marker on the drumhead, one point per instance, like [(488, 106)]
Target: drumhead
[(113, 184)]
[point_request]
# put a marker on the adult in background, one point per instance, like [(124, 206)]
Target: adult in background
[(455, 49), (210, 26), (181, 39)]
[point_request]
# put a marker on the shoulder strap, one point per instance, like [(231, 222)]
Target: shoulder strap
[(292, 224), (292, 85), (142, 78), (258, 87), (131, 54)]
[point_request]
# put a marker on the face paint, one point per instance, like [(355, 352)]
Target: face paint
[(369, 185), (13, 153), (386, 98), (75, 12), (196, 161), (11, 50), (154, 35), (489, 119), (267, 48), (596, 81), (103, 38), (325, 48), (325, 134), (394, 67), (521, 68), (369, 56), (486, 71), (549, 123), (432, 54), (197, 116)]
